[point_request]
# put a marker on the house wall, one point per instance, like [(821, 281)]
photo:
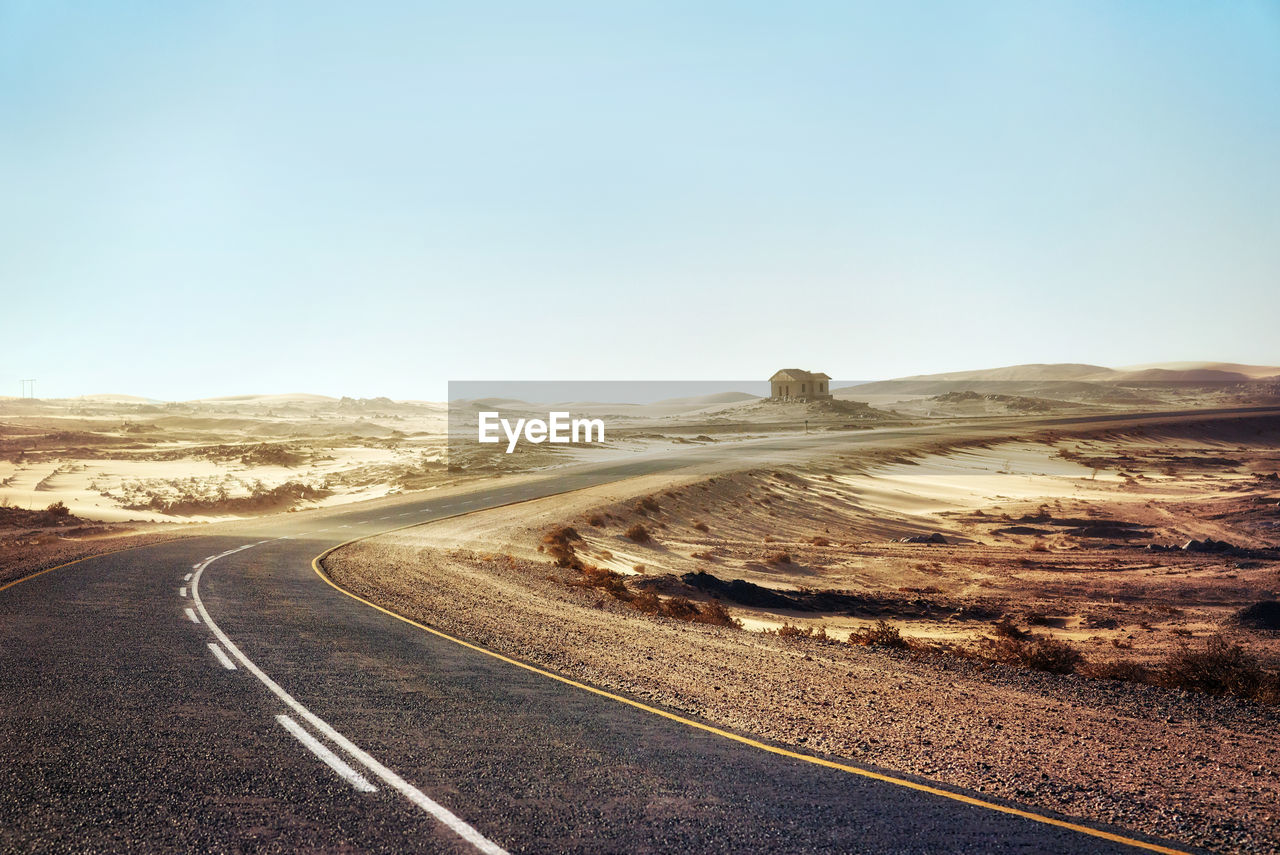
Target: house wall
[(799, 389)]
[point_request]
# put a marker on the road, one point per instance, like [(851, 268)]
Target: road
[(216, 694)]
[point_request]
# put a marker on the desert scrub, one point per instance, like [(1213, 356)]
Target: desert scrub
[(807, 633), (1038, 652), (638, 533), (1220, 668), (559, 544), (881, 634), (647, 602), (261, 499)]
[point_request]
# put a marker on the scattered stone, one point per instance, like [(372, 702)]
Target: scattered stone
[(1208, 545), (924, 538)]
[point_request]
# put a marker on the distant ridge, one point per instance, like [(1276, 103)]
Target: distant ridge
[(1071, 381)]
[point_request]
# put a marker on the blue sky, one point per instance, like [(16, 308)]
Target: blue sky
[(373, 199)]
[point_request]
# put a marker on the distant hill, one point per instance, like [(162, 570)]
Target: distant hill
[(108, 398), (276, 400), (1076, 382), (1252, 372)]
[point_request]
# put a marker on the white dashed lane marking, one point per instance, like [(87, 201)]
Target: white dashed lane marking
[(222, 657), (445, 816)]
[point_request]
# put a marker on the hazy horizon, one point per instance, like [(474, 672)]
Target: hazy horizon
[(320, 198), (620, 391)]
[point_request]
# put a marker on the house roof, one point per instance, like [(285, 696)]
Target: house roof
[(796, 375)]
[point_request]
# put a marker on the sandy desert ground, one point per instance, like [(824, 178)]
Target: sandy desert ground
[(1034, 654)]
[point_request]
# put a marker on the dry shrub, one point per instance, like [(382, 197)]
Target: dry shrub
[(1005, 628), (648, 503), (638, 533), (559, 545), (788, 631), (703, 556), (820, 541), (604, 580), (596, 520), (680, 608), (701, 526), (1039, 652), (1039, 546), (1219, 668), (882, 634), (717, 615), (647, 603), (779, 558)]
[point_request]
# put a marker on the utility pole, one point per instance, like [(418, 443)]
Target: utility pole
[(29, 388)]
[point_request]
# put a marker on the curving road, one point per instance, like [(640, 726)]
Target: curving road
[(216, 694)]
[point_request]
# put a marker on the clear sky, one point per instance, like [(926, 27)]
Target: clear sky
[(201, 199)]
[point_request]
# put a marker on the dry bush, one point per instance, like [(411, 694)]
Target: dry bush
[(1039, 652), (647, 603), (680, 608), (717, 615), (882, 634), (701, 526), (647, 504), (596, 520), (703, 556), (1039, 546), (558, 543), (788, 631), (820, 541), (779, 558), (638, 533), (1219, 668), (604, 580), (1005, 628)]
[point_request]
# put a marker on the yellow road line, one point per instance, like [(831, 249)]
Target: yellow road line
[(745, 740)]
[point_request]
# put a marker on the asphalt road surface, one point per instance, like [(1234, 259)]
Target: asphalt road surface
[(215, 694)]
